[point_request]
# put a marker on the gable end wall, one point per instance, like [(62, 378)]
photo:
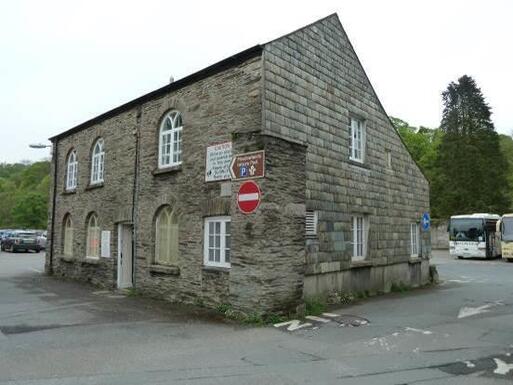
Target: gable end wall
[(313, 84)]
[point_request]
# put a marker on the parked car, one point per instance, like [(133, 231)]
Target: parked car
[(41, 241), (4, 233), (20, 240)]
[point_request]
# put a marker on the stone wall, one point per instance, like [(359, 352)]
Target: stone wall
[(269, 245), (313, 84), (111, 200), (439, 235)]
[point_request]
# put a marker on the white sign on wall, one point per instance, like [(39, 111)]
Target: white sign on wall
[(218, 159), (105, 250)]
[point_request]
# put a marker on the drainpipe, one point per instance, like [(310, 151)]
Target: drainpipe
[(135, 196), (54, 198)]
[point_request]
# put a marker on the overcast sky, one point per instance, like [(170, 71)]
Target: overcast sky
[(64, 62)]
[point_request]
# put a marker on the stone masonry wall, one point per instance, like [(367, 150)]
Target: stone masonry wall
[(313, 84), (213, 110), (111, 201), (268, 258)]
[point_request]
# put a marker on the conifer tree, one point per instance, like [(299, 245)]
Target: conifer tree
[(471, 170)]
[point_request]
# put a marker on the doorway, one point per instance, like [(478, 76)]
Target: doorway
[(125, 260)]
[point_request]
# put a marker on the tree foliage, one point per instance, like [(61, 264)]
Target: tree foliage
[(24, 190), (469, 166)]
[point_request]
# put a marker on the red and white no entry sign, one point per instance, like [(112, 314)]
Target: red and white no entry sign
[(249, 197)]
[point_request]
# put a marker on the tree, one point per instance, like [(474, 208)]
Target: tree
[(422, 143), (470, 168), (24, 190), (31, 211)]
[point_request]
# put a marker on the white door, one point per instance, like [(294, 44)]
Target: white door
[(124, 256)]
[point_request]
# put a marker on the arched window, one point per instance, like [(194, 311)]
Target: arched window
[(71, 171), (68, 236), (97, 161), (93, 237), (166, 237), (170, 140)]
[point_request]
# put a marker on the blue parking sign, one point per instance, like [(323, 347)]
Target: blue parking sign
[(426, 221)]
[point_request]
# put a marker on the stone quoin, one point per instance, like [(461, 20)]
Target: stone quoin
[(341, 204)]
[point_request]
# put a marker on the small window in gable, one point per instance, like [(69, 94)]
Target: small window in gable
[(71, 171), (357, 140), (97, 162), (170, 140), (311, 220)]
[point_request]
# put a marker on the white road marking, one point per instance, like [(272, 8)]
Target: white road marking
[(331, 315), (502, 367), (293, 325), (427, 332), (470, 311), (36, 270), (318, 319), (469, 364)]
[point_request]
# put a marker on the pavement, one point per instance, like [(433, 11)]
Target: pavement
[(62, 332)]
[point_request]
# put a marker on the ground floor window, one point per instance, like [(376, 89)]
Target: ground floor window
[(166, 237), (68, 236), (217, 243), (414, 237), (93, 237), (359, 239)]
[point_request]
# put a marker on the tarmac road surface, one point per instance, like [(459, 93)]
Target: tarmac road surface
[(62, 332)]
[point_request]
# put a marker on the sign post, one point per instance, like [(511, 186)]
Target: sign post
[(426, 221), (250, 165), (248, 197)]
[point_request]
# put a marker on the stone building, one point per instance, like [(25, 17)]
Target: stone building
[(341, 197)]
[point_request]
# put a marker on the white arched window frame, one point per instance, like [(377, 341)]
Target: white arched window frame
[(166, 237), (170, 140), (68, 236), (93, 237), (71, 171), (97, 162)]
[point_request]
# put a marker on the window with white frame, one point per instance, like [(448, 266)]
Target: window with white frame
[(311, 223), (359, 232), (97, 162), (217, 242), (170, 140), (93, 237), (414, 236), (71, 171), (357, 140), (68, 236), (166, 237)]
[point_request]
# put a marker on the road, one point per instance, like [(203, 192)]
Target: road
[(62, 332)]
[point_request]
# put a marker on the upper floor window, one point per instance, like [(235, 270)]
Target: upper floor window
[(357, 140), (93, 237), (166, 237), (97, 162), (170, 140), (71, 171)]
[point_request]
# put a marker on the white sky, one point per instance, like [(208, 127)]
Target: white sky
[(64, 62)]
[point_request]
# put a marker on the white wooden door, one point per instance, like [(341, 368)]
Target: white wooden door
[(125, 256)]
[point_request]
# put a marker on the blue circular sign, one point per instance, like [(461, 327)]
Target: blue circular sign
[(426, 221)]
